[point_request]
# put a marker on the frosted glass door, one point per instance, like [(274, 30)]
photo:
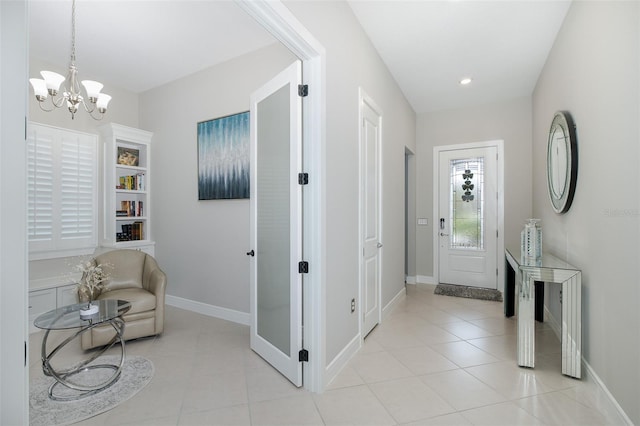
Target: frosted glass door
[(276, 332)]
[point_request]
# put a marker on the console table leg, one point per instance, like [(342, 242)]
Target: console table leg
[(571, 326), (526, 321)]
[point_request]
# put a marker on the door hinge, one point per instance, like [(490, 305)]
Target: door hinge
[(303, 90), (25, 353), (496, 272), (303, 267), (303, 355), (303, 178)]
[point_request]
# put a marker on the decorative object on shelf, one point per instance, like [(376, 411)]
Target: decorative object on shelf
[(562, 161), (128, 156), (223, 157), (71, 95), (467, 186), (91, 284), (531, 243)]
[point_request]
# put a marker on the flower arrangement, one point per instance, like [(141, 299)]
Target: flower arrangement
[(92, 281)]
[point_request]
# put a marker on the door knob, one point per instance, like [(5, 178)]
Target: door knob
[(442, 234), (379, 245), (251, 253)]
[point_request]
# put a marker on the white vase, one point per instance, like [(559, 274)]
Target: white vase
[(531, 243)]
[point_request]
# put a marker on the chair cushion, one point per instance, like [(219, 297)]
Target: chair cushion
[(127, 268), (141, 300)]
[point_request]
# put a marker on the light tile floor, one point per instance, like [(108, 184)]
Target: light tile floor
[(435, 360)]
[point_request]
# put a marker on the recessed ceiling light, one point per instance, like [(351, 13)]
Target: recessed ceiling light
[(465, 81)]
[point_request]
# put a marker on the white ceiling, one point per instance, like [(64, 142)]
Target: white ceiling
[(141, 44), (428, 45)]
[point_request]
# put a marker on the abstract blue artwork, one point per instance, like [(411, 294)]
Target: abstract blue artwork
[(223, 157)]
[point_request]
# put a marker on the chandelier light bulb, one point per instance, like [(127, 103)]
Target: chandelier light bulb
[(53, 80), (93, 89), (39, 88), (102, 102)]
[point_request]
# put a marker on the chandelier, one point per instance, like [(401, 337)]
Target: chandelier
[(71, 94)]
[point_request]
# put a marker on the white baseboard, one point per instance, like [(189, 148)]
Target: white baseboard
[(243, 318), (410, 280), (402, 294), (340, 361), (425, 279), (591, 375)]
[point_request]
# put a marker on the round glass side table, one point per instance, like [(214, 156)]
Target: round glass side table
[(69, 317)]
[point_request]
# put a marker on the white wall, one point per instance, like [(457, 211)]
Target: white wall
[(351, 62), (507, 120), (202, 245), (593, 72)]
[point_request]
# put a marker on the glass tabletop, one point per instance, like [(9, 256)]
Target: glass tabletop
[(548, 261), (68, 317)]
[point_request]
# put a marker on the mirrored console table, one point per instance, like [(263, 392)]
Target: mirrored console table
[(521, 281)]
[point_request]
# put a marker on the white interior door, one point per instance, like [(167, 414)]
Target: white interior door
[(370, 221), (276, 223), (468, 217)]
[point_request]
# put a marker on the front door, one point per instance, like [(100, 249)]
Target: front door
[(276, 223), (468, 217), (370, 220)]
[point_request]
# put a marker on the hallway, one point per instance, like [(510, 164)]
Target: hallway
[(436, 360)]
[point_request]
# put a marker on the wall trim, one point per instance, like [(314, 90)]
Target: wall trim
[(341, 360), (425, 279), (401, 296), (591, 375), (410, 280), (238, 317)]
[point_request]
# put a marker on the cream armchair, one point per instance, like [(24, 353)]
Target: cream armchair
[(136, 278)]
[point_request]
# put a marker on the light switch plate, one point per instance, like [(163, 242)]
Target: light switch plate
[(423, 221)]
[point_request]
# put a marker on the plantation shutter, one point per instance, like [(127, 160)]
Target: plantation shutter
[(62, 185), (40, 181)]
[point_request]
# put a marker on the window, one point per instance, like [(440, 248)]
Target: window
[(467, 203), (62, 192)]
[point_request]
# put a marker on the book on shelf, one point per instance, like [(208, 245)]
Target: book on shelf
[(135, 182), (130, 209), (131, 232)]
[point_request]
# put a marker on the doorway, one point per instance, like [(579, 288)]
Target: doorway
[(370, 213), (468, 210)]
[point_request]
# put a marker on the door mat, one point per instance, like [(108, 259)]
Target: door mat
[(468, 292)]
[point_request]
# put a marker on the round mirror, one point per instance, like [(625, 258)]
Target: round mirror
[(562, 161)]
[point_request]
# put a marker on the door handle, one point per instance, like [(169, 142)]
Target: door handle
[(379, 245), (442, 234), (251, 253), (442, 223)]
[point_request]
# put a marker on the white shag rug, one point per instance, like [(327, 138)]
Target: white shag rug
[(136, 373)]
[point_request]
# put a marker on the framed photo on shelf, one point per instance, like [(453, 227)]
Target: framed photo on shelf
[(223, 157), (128, 156)]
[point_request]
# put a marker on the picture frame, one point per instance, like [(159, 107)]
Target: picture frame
[(128, 156), (223, 157)]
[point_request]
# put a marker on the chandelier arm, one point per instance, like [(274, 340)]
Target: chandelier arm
[(59, 102), (41, 103), (93, 110)]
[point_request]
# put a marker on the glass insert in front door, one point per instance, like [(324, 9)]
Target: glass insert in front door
[(467, 203)]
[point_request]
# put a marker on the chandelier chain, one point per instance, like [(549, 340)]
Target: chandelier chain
[(73, 32)]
